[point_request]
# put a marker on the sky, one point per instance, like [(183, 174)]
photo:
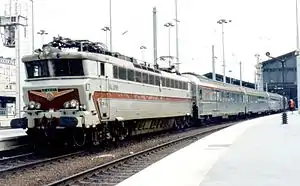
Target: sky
[(257, 26)]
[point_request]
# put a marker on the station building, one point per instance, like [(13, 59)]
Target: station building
[(7, 86), (272, 75)]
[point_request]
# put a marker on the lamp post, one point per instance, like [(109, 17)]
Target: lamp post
[(222, 22), (169, 25), (177, 47), (32, 26), (42, 33), (297, 58), (297, 26), (284, 115), (213, 63), (143, 48), (106, 29), (110, 26), (230, 79), (241, 82)]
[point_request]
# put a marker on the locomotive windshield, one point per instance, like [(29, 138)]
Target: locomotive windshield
[(54, 68), (67, 67), (37, 69)]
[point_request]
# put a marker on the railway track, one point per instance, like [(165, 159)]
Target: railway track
[(29, 160), (114, 172)]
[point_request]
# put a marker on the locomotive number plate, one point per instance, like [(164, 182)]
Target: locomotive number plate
[(49, 90)]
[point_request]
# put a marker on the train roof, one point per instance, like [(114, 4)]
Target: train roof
[(275, 95), (209, 83), (254, 92)]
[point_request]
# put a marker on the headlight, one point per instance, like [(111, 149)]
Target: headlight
[(82, 107), (31, 105), (67, 104), (74, 103), (38, 106)]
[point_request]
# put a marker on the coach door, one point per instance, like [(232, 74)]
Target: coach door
[(104, 99)]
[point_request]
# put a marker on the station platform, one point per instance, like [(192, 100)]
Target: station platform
[(258, 152), (12, 138), (5, 122), (11, 133)]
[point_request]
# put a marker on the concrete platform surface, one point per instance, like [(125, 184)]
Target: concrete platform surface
[(258, 152), (5, 121), (7, 134)]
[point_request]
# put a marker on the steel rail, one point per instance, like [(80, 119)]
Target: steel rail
[(32, 162)]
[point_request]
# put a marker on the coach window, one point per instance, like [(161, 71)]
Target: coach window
[(222, 96), (130, 75), (122, 73), (232, 97), (102, 70), (238, 98), (172, 83), (157, 80), (185, 86), (151, 79), (175, 84), (138, 76), (163, 81), (180, 84), (200, 93), (115, 72), (168, 82), (213, 95), (145, 78), (218, 96)]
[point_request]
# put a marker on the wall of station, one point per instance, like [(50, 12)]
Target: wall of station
[(272, 75)]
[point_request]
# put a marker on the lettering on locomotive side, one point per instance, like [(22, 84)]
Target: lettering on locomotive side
[(49, 90), (113, 87)]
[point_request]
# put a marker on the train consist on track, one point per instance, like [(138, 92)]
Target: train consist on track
[(91, 95)]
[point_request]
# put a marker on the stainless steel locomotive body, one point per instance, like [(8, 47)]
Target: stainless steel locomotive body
[(99, 96)]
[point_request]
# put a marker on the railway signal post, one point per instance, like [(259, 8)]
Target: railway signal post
[(284, 115)]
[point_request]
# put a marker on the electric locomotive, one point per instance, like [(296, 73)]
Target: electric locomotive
[(78, 91)]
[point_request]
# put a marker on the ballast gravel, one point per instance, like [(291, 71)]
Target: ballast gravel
[(42, 175)]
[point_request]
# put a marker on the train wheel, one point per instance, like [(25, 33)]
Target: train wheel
[(79, 137), (178, 124), (187, 121), (122, 131)]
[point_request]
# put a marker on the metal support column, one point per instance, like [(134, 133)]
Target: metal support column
[(241, 82)]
